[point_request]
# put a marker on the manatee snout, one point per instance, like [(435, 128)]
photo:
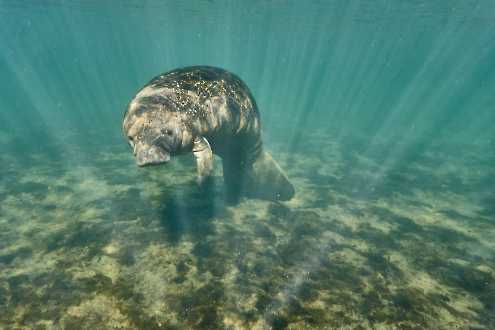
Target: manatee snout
[(150, 155)]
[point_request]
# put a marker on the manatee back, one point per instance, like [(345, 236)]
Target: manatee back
[(206, 82)]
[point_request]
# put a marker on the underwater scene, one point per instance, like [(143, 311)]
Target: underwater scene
[(380, 114)]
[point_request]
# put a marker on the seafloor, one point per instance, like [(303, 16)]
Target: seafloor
[(376, 238)]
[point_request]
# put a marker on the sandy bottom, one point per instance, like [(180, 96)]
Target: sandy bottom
[(376, 238)]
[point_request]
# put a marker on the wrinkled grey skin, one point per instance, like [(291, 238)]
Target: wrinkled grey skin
[(205, 111), (153, 137)]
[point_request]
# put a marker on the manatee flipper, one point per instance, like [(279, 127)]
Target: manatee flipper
[(266, 180), (204, 160)]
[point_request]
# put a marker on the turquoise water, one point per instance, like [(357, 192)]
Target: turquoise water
[(380, 112)]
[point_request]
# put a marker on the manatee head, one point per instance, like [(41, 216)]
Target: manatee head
[(153, 134)]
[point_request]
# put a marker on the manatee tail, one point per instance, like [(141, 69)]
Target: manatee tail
[(268, 181), (264, 179)]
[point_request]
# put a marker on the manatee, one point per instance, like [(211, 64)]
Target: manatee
[(205, 111)]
